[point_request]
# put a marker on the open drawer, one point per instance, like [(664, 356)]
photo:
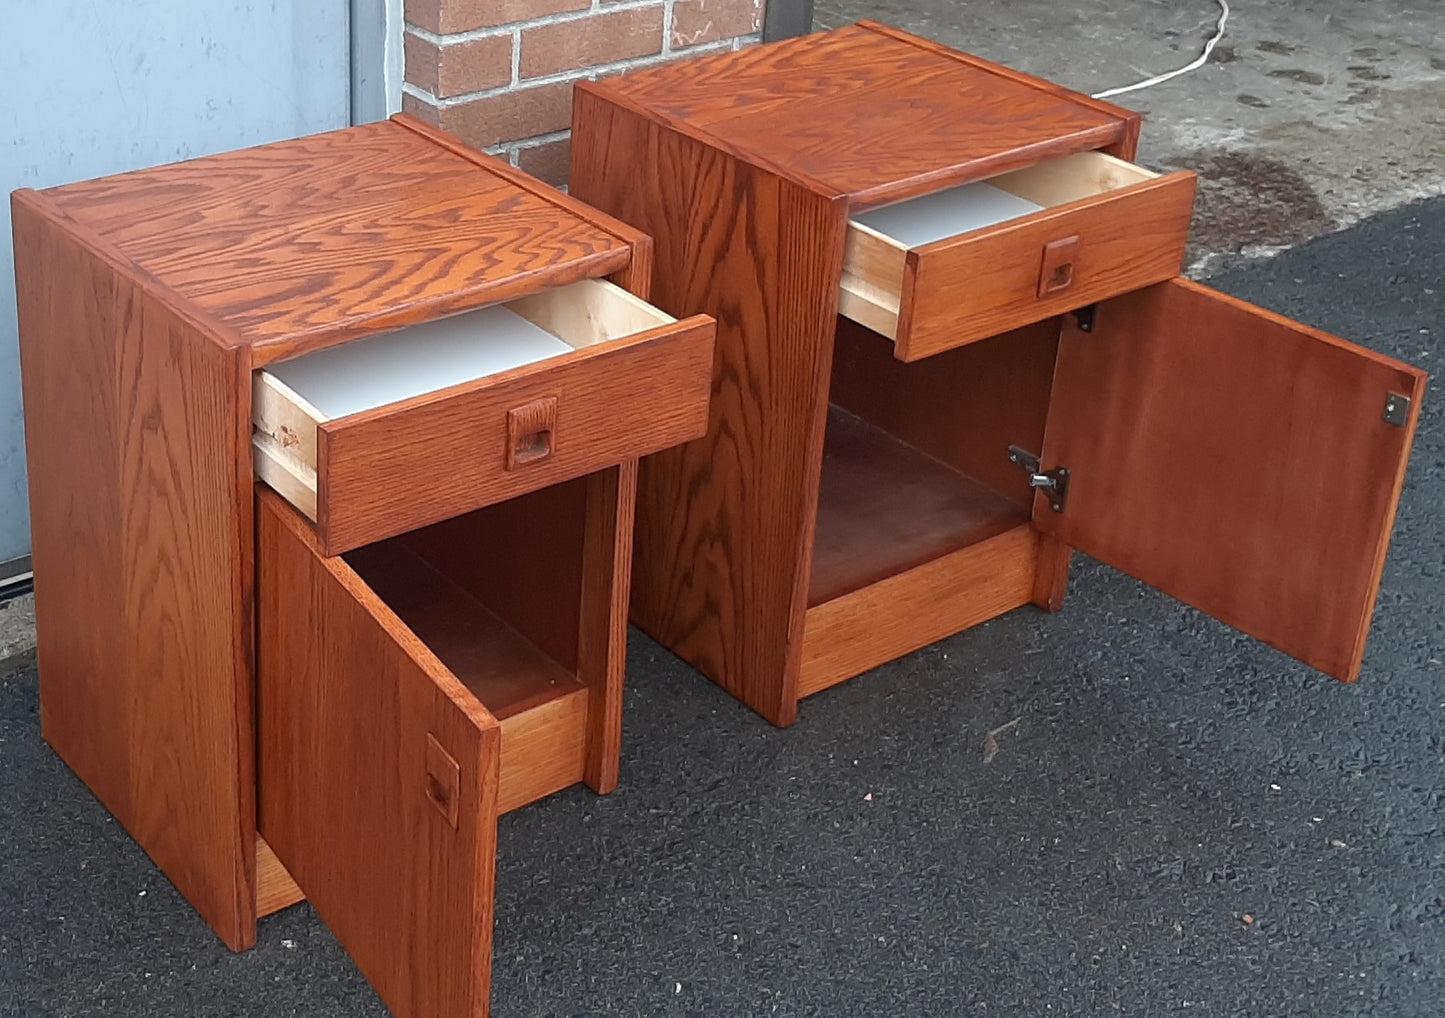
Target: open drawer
[(960, 265), (412, 690), (381, 435)]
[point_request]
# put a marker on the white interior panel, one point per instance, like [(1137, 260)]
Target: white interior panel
[(368, 373), (944, 214)]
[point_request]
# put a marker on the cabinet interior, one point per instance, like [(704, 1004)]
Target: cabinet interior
[(496, 594), (915, 456)]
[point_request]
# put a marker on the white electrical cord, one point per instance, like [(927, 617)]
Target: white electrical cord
[(1196, 63)]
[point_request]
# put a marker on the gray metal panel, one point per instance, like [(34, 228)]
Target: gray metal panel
[(786, 18), (102, 88)]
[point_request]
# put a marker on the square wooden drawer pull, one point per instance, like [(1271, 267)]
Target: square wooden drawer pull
[(529, 432), (1057, 271), (443, 780)]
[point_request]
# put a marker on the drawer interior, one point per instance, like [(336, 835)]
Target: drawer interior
[(496, 594), (291, 399), (915, 459), (878, 240), (1025, 192)]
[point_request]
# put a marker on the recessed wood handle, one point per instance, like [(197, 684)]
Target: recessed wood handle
[(531, 432), (443, 780), (1057, 271)]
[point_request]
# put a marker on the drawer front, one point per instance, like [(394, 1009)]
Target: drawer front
[(386, 471), (971, 287)]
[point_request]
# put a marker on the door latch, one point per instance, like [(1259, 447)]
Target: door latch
[(1053, 483)]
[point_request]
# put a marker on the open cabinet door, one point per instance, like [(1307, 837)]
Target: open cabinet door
[(1234, 459), (378, 777)]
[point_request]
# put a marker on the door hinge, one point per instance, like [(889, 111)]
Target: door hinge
[(1397, 410), (1053, 483), (1085, 317)]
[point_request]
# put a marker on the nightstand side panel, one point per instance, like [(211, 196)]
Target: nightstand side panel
[(143, 560), (725, 524)]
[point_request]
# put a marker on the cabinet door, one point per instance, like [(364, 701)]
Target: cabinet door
[(1234, 459), (378, 777)]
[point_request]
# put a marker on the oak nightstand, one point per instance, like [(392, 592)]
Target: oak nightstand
[(952, 346), (444, 372)]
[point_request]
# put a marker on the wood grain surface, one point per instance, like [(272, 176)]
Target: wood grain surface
[(964, 407), (140, 513), (884, 507), (275, 889), (497, 665), (875, 114), (895, 616), (977, 285), (304, 243), (1235, 460), (544, 750), (606, 588), (724, 524), (348, 697), (523, 560), (615, 401)]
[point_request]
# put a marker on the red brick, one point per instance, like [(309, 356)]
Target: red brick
[(459, 68), (445, 17), (508, 116), (547, 162), (587, 42), (695, 22), (421, 63), (421, 109)]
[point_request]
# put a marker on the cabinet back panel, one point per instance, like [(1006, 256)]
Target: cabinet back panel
[(522, 559), (964, 406)]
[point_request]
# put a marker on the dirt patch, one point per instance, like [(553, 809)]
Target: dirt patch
[(1248, 201), (1302, 76)]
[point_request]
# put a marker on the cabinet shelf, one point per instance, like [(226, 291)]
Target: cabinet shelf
[(885, 507)]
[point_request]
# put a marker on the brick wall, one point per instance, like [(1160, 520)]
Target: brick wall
[(499, 73)]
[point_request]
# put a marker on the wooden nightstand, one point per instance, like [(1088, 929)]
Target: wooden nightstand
[(448, 370), (926, 394)]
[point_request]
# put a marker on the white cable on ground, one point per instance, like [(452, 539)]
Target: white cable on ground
[(1196, 63)]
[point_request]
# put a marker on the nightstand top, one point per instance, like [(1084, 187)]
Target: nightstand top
[(307, 242), (871, 112)]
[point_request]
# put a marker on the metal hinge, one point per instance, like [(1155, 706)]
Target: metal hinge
[(1397, 410), (1085, 317), (1053, 483)]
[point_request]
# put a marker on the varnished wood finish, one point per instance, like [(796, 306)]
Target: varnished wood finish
[(1051, 577), (879, 116), (443, 233), (606, 586), (741, 167), (275, 889), (885, 620), (140, 517), (544, 750), (982, 283), (615, 401), (1125, 148), (523, 560), (147, 302), (724, 524), (348, 697), (1236, 460), (964, 407), (497, 665), (862, 117), (884, 508)]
